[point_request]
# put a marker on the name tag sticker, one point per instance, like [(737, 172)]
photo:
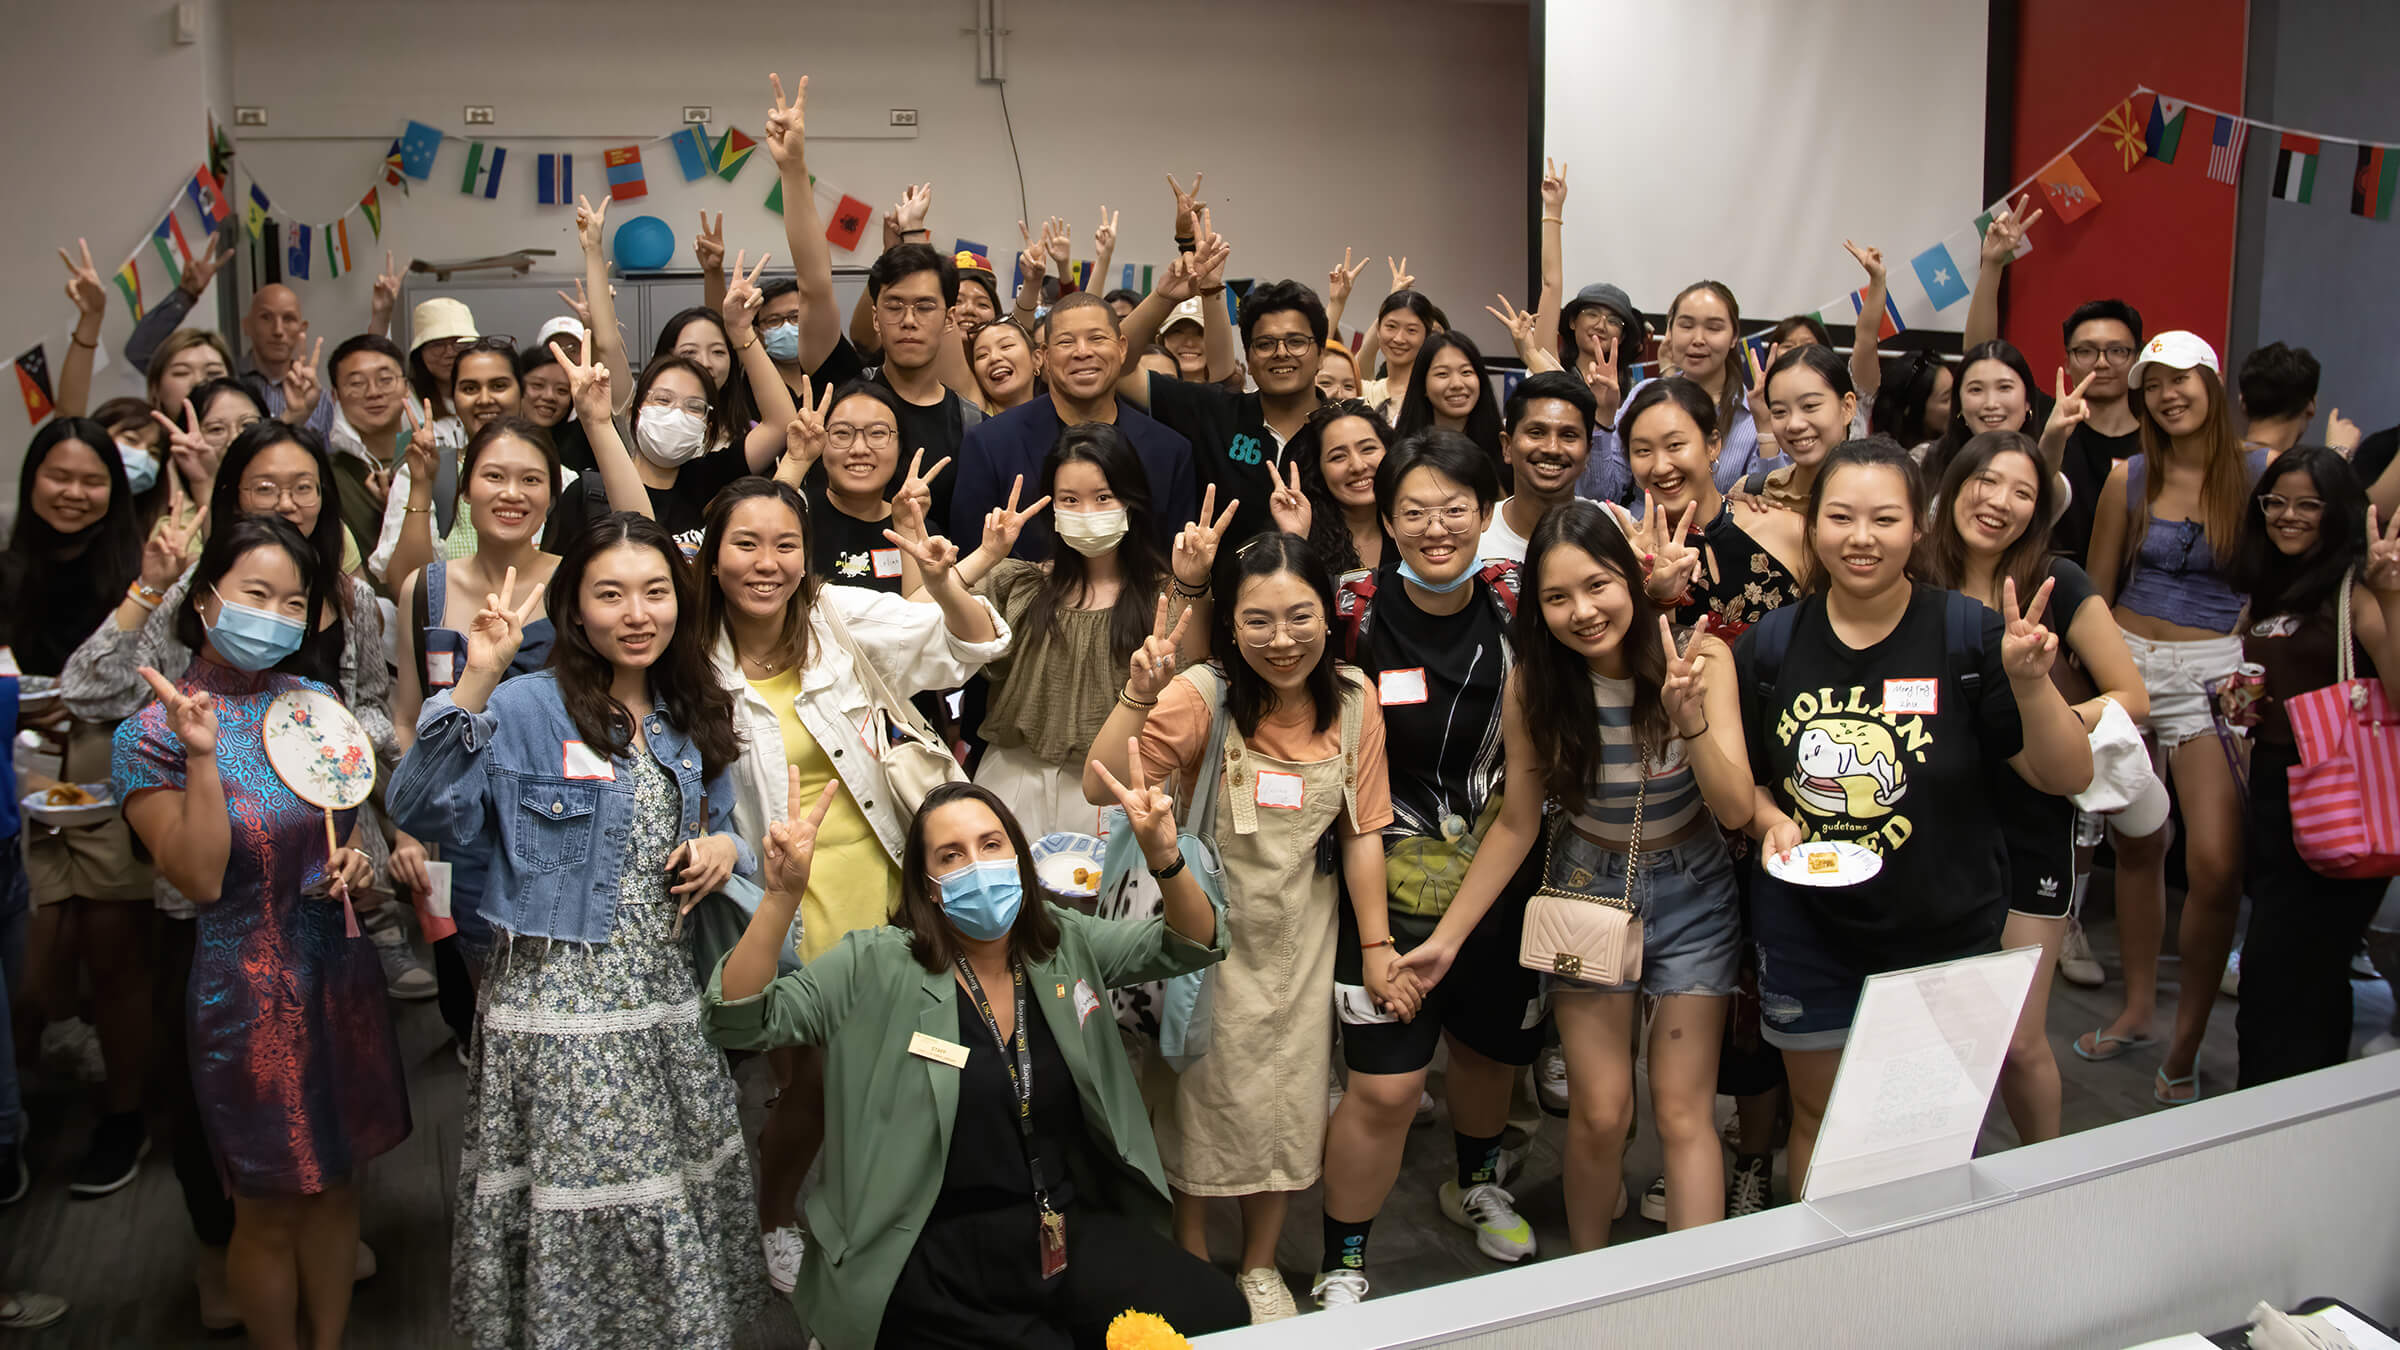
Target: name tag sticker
[(441, 669), (1397, 687), (437, 902), (1922, 697), (938, 1050), (1086, 1002), (887, 562), (582, 763), (1279, 790)]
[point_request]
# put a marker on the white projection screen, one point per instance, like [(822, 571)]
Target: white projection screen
[(1744, 140)]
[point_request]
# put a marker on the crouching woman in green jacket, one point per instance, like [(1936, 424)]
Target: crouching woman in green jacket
[(989, 1179)]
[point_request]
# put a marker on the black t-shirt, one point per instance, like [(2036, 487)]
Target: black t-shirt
[(2374, 454), (574, 446), (1885, 748), (2086, 462), (1232, 446), (681, 509), (987, 1165), (849, 551), (2034, 821), (1438, 677), (938, 429)]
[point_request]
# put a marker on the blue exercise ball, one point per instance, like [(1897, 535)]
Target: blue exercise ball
[(643, 244)]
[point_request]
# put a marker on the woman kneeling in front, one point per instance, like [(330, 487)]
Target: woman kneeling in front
[(989, 1179)]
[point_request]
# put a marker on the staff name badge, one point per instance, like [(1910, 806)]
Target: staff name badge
[(582, 762), (441, 669), (1398, 687), (1086, 1002), (1921, 697), (886, 560), (938, 1050), (1279, 790)]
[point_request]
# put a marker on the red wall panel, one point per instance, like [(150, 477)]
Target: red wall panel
[(2162, 237)]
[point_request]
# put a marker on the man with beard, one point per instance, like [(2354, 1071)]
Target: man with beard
[(1547, 423), (1080, 358)]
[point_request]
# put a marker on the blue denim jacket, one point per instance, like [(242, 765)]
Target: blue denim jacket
[(557, 841)]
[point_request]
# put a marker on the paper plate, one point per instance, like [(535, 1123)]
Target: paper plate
[(1825, 863), (319, 750), (103, 805), (1069, 863)]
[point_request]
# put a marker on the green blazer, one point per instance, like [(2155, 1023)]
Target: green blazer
[(888, 1113)]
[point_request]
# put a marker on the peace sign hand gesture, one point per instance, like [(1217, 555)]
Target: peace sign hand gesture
[(742, 298), (589, 222), (1104, 234), (580, 305), (935, 555), (1761, 413), (1058, 240), (169, 550), (1289, 505), (1665, 546), (192, 717), (421, 442), (1682, 691), (1002, 524), (300, 386), (1402, 279), (1187, 205), (190, 450), (2006, 234), (804, 435), (1195, 552), (914, 497), (1554, 187), (2383, 553), (1519, 324), (1600, 376), (1036, 257), (203, 267), (1343, 277), (708, 246), (1149, 811), (1870, 259), (1156, 660), (387, 293), (498, 629), (83, 283), (587, 384), (792, 844), (787, 122), (2027, 649), (2070, 408)]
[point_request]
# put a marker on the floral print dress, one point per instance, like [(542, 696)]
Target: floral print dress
[(605, 1198)]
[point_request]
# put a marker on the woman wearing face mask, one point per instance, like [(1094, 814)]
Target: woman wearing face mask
[(798, 695), (1304, 791), (1447, 389), (703, 337), (949, 1214), (1335, 456), (293, 1063), (421, 520), (1970, 693), (2163, 533), (1994, 391), (605, 850), (141, 447), (548, 400), (2309, 536), (1992, 517), (1001, 355)]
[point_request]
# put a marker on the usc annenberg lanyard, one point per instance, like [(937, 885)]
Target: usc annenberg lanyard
[(1020, 1078)]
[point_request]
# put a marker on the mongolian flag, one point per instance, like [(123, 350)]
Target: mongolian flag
[(625, 181)]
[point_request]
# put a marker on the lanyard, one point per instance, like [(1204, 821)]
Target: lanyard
[(1020, 1066)]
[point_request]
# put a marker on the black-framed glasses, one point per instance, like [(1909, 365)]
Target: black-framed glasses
[(1268, 344), (2085, 353)]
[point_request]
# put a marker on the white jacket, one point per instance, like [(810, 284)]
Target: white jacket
[(913, 650)]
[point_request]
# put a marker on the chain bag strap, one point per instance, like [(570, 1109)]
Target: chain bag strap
[(1590, 938)]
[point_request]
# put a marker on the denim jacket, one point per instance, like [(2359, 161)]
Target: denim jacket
[(558, 828)]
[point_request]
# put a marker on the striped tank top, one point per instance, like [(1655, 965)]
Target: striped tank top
[(1673, 798)]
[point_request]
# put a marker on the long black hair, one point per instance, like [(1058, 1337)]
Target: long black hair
[(682, 679), (55, 588), (1907, 391), (1483, 420), (2026, 560), (2307, 583), (1034, 936), (1328, 526), (736, 406), (1938, 458), (1246, 692), (1141, 564), (225, 506), (1554, 683), (315, 660), (791, 642)]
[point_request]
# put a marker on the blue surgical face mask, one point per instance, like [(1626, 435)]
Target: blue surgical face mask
[(1409, 573), (252, 639), (782, 341), (141, 466), (982, 899)]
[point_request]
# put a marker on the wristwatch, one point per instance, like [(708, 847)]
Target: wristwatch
[(1171, 869)]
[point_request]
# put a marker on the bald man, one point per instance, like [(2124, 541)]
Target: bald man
[(274, 331)]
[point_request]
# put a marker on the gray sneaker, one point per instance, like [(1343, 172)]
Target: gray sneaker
[(404, 976)]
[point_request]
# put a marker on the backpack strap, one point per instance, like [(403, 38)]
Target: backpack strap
[(1200, 813), (1962, 644), (1350, 604), (1770, 638), (1506, 578), (1353, 685)]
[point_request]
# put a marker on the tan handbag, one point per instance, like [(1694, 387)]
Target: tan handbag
[(910, 752), (1591, 938)]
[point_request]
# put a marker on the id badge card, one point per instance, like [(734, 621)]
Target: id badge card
[(1054, 1243)]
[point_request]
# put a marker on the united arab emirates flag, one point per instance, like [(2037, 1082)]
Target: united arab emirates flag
[(2296, 168)]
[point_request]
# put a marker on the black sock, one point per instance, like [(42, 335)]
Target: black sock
[(1345, 1244), (1478, 1159)]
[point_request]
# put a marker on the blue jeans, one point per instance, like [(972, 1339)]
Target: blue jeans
[(13, 917)]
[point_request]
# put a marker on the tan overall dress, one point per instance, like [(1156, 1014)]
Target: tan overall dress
[(1250, 1115)]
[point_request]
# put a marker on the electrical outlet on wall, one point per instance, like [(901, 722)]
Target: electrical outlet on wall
[(904, 117), (249, 117), (479, 114), (696, 112)]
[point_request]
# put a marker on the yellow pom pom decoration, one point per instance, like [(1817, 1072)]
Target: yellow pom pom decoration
[(1144, 1331)]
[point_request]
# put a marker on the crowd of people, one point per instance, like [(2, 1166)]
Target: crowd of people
[(725, 705)]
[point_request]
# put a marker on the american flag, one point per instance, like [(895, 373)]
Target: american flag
[(2225, 149)]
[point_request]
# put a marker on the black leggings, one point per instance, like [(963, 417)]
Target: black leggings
[(2295, 1009)]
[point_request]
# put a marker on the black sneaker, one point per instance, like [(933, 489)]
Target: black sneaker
[(119, 1143), (1749, 1187), (15, 1178)]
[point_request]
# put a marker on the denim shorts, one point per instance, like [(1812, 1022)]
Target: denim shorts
[(1809, 979), (1691, 922), (2177, 676)]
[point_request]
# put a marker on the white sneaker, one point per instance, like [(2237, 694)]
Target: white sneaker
[(1340, 1288), (2230, 983), (2076, 964), (1270, 1299), (1654, 1201), (784, 1246), (1500, 1232), (1550, 1080), (404, 976), (1424, 1108)]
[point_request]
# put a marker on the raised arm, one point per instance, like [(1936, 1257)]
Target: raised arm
[(2000, 241), (604, 336), (2066, 410), (1704, 703), (168, 314), (1216, 322), (1104, 250), (386, 298), (1338, 284), (1153, 664), (91, 306), (587, 381), (1525, 332), (1554, 219), (1033, 264), (1174, 287), (966, 617), (708, 250), (1866, 363), (803, 229), (763, 444), (412, 547)]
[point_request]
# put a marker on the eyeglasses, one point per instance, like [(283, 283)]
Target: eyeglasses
[(266, 495), (1414, 521), (377, 384), (1268, 344), (2084, 353), (1257, 630), (779, 321), (842, 435), (922, 311), (2304, 508), (697, 407)]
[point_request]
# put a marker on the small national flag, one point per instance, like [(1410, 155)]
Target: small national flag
[(2371, 188), (2225, 149), (256, 215), (1939, 274), (333, 252), (392, 176), (33, 380), (2296, 167), (491, 176), (732, 152), (2162, 130), (296, 261), (691, 152), (160, 241), (371, 206), (555, 175), (483, 174), (775, 196), (2071, 194), (417, 150), (129, 285), (337, 246), (625, 181), (220, 148), (849, 222), (1889, 325), (2124, 128), (208, 198)]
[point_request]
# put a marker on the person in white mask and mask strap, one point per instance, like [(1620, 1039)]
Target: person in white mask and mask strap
[(1079, 617), (673, 419)]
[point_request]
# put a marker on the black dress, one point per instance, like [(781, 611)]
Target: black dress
[(1739, 580)]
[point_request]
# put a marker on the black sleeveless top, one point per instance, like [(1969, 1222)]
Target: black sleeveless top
[(1739, 580)]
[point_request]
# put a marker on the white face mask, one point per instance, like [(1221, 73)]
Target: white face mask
[(1092, 532), (141, 466), (668, 437)]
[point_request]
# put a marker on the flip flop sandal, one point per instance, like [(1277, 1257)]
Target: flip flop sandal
[(2166, 1084), (2107, 1045)]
